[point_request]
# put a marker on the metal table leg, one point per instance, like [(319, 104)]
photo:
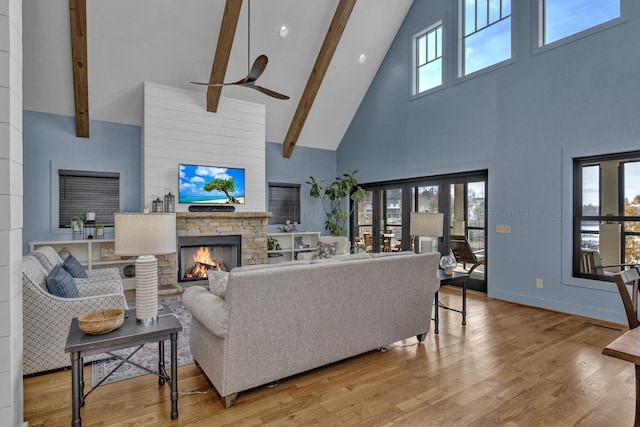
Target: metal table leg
[(76, 392), (437, 314), (161, 369), (174, 376)]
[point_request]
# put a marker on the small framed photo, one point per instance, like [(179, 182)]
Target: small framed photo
[(108, 252), (298, 242)]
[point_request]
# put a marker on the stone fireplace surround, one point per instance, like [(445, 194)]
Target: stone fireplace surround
[(252, 226)]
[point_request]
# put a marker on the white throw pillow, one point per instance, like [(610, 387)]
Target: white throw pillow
[(218, 282)]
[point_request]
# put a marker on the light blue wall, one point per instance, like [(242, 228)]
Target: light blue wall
[(49, 144), (304, 162), (524, 123)]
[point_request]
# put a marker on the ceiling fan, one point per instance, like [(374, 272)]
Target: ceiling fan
[(256, 70), (250, 81)]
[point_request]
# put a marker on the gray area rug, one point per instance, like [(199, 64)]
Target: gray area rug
[(147, 356)]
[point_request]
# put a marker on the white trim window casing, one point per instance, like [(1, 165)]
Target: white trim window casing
[(427, 59), (486, 32), (565, 20)]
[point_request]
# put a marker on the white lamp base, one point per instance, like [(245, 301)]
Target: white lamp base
[(147, 289)]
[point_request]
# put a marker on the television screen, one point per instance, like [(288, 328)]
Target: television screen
[(211, 184)]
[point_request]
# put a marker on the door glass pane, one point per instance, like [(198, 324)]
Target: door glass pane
[(632, 208), (476, 214), (392, 226), (428, 199), (591, 190), (364, 209)]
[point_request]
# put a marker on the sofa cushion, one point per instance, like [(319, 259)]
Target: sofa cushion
[(61, 284), (325, 250), (73, 267), (218, 282)]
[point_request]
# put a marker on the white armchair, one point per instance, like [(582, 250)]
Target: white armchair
[(47, 317), (343, 246)]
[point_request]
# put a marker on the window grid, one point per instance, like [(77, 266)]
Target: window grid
[(428, 47), (587, 219), (477, 26)]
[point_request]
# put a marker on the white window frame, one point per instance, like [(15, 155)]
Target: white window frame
[(460, 76), (538, 27), (414, 47)]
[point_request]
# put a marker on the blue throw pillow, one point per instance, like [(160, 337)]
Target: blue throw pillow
[(74, 268), (61, 284)]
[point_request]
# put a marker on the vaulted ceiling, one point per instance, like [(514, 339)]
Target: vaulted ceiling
[(173, 42)]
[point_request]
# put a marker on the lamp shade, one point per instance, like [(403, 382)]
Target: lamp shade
[(426, 224), (145, 233)]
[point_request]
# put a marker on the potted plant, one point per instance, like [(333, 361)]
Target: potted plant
[(90, 215), (332, 196), (272, 243), (77, 223)]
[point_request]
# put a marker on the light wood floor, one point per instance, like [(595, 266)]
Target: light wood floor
[(511, 366)]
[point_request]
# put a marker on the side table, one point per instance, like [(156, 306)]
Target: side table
[(130, 334), (453, 279)]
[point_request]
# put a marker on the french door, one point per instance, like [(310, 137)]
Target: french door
[(381, 221)]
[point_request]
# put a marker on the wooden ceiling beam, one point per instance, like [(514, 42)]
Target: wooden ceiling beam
[(331, 40), (78, 22), (223, 51)]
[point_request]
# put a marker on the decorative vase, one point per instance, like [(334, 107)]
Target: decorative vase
[(448, 263)]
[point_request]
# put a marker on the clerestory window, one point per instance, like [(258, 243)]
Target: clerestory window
[(428, 59), (485, 34), (559, 19)]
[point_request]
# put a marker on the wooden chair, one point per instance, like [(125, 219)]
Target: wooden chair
[(463, 253), (591, 263), (385, 244), (627, 282), (368, 242)]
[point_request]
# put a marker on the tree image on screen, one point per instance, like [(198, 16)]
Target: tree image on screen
[(224, 185)]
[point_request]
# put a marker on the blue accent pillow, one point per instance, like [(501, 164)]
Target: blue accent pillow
[(61, 284), (74, 268)]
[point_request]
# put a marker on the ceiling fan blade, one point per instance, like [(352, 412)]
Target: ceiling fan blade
[(257, 68), (270, 92), (215, 84)]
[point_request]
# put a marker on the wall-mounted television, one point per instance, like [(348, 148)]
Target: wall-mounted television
[(210, 185)]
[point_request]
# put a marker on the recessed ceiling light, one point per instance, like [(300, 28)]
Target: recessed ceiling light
[(284, 30), (362, 58)]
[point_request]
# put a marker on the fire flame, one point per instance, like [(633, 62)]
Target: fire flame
[(203, 261)]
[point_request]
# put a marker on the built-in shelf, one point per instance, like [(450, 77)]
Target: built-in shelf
[(294, 242)]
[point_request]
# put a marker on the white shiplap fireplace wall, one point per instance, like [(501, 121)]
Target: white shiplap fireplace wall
[(179, 129)]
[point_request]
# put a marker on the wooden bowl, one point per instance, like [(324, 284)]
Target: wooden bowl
[(101, 321)]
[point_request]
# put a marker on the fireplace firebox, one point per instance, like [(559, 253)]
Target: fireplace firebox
[(198, 254)]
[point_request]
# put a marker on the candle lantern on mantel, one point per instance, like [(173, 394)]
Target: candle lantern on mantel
[(169, 202)]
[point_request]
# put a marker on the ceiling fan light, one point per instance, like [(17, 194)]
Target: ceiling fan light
[(284, 31)]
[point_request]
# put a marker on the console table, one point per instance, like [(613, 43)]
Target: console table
[(455, 278), (130, 334)]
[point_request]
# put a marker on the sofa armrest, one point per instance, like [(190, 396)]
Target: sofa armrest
[(209, 309)]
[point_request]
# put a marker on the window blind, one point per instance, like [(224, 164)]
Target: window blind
[(83, 190)]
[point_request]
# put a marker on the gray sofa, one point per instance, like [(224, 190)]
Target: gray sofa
[(284, 319)]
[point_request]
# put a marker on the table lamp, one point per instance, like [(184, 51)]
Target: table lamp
[(426, 224), (145, 235)]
